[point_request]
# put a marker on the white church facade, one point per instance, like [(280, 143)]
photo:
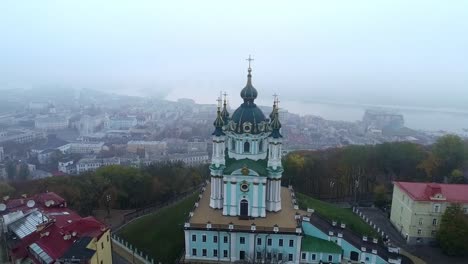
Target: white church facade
[(244, 214)]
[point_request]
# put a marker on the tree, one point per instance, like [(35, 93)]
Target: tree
[(456, 177), (11, 170), (429, 166), (380, 196), (5, 189), (23, 172), (453, 231), (450, 151)]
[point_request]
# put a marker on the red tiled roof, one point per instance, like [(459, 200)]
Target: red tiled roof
[(64, 223), (422, 191), (49, 196), (54, 243)]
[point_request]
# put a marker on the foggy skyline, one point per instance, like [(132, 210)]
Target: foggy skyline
[(392, 52)]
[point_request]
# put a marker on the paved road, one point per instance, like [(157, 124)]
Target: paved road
[(425, 252), (117, 259), (380, 219)]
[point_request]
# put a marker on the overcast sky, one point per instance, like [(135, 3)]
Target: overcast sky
[(395, 52)]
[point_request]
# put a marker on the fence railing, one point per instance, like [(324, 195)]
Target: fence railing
[(135, 255)]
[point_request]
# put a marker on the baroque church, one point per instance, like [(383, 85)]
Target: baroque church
[(245, 215)]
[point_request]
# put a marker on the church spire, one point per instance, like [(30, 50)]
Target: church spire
[(275, 122), (225, 113), (218, 123), (249, 93)]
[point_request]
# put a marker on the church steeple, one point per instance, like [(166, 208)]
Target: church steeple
[(275, 122), (219, 122), (249, 93), (225, 113)]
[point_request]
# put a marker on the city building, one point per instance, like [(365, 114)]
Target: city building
[(190, 159), (50, 123), (85, 147), (243, 214), (89, 124), (41, 229), (150, 147), (120, 122), (21, 135), (92, 164), (417, 208)]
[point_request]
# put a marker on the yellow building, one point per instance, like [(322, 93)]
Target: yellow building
[(417, 208), (102, 247)]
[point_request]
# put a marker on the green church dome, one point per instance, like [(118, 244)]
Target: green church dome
[(248, 118)]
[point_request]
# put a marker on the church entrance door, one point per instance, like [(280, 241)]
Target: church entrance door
[(244, 208)]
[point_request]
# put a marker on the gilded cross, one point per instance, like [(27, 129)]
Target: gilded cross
[(249, 60)]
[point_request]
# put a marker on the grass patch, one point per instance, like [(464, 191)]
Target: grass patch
[(161, 234), (334, 213)]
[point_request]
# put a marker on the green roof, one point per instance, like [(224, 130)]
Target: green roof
[(314, 244), (259, 166)]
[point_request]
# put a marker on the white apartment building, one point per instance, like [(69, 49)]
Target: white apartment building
[(151, 147), (51, 123), (92, 164)]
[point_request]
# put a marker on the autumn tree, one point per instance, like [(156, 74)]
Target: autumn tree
[(453, 232), (450, 151)]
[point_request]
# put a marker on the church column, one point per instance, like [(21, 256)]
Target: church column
[(262, 213), (225, 201), (233, 199), (187, 244), (255, 200)]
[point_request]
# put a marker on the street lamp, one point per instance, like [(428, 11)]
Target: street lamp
[(108, 199)]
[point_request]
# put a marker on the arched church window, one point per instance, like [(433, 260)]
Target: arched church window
[(246, 147), (260, 146), (233, 145)]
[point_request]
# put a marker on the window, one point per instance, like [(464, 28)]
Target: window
[(269, 242), (102, 245), (280, 256), (233, 145), (304, 256), (246, 147), (420, 221), (313, 256), (434, 221), (330, 258), (437, 208), (260, 146), (194, 238), (259, 255), (225, 254), (419, 231), (204, 252), (242, 240), (259, 241), (225, 239), (280, 242), (194, 251), (107, 238), (102, 262), (241, 255), (203, 238), (290, 257), (215, 239), (291, 243), (215, 253), (465, 210), (269, 256)]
